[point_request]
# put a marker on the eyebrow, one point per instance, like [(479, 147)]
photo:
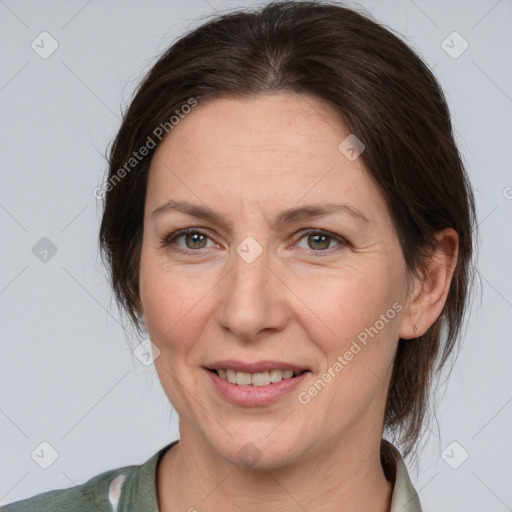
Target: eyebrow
[(284, 217)]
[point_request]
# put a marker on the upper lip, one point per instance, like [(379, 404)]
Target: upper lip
[(255, 367)]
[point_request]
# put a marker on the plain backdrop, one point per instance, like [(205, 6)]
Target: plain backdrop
[(67, 375)]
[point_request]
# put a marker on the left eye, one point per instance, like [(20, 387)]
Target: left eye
[(319, 241)]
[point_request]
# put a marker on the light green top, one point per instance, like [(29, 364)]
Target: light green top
[(133, 489)]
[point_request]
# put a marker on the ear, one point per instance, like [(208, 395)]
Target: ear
[(425, 303)]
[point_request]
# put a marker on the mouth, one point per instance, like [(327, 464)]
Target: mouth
[(262, 378), (255, 384)]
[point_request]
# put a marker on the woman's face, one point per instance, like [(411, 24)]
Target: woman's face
[(266, 283)]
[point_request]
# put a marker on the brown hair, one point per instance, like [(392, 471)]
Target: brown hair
[(386, 96)]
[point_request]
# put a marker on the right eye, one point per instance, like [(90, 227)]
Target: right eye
[(194, 240)]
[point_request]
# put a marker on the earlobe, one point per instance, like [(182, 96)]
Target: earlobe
[(411, 325), (428, 298), (412, 311)]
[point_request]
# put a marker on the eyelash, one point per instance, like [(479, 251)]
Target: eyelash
[(169, 239)]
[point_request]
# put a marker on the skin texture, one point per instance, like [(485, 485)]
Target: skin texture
[(304, 300)]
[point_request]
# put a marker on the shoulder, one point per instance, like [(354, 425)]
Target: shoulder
[(91, 495), (101, 493)]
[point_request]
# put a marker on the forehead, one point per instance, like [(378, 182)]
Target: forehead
[(276, 148), (278, 123)]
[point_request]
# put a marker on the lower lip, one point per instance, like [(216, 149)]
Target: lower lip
[(253, 396)]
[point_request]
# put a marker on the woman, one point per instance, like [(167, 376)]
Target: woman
[(288, 216)]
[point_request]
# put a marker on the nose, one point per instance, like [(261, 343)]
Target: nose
[(253, 298)]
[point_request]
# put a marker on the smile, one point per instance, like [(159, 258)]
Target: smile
[(256, 379), (259, 391)]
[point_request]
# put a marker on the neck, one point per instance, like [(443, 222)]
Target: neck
[(347, 476)]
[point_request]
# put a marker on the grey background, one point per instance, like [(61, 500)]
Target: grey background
[(67, 375)]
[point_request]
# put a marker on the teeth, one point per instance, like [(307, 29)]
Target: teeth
[(254, 379), (260, 379), (243, 378), (275, 375)]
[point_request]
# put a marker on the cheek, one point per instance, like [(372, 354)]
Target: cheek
[(357, 335), (356, 307), (174, 302)]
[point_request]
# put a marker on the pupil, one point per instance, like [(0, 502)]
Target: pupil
[(323, 237), (196, 238)]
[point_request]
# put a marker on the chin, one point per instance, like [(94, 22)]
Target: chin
[(259, 453)]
